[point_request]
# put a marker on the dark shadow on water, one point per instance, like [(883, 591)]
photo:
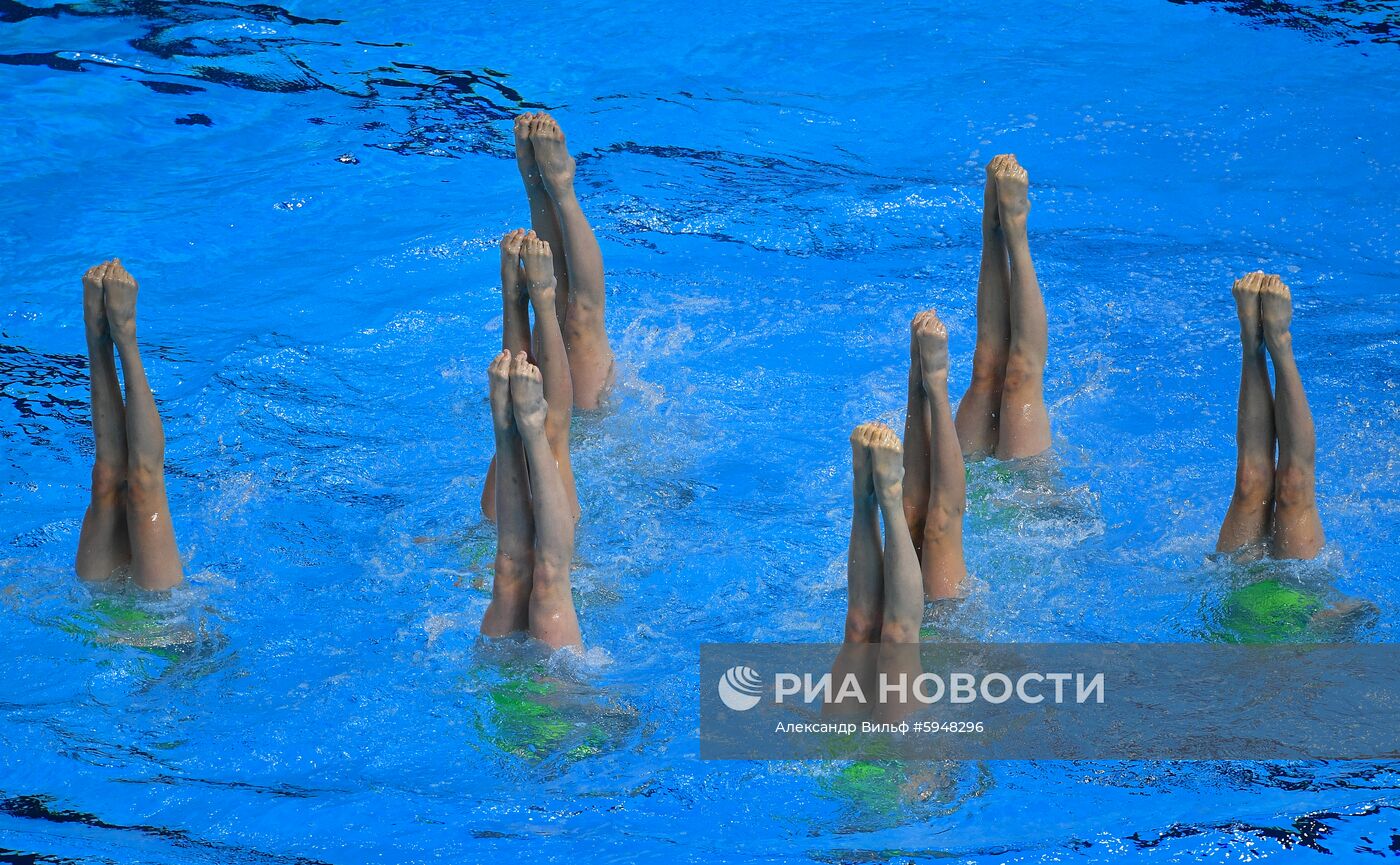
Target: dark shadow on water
[(43, 808), (449, 112), (1347, 22)]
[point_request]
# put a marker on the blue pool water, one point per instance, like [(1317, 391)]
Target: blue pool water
[(311, 197)]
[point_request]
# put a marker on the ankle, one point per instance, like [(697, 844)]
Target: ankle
[(561, 190), (890, 496), (936, 378), (124, 335), (1278, 341), (1014, 228)]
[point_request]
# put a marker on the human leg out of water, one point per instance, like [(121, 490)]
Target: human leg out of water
[(941, 551), (543, 218), (590, 356), (865, 580), (1249, 519), (155, 559), (515, 333), (917, 447), (103, 545), (903, 608), (1024, 429), (553, 619), (509, 611), (552, 358), (885, 591), (1297, 528), (531, 591), (978, 421)]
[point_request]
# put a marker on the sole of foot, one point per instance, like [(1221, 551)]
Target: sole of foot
[(932, 338), (1246, 293), (552, 155), (1013, 184), (498, 375), (527, 395), (1275, 308)]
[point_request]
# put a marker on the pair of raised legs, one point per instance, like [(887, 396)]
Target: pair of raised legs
[(531, 591), (556, 218), (935, 484), (1003, 412), (1273, 503), (885, 600), (128, 518)]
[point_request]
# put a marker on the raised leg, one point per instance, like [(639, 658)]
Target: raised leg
[(552, 359), (1250, 517), (942, 563), (904, 589), (515, 333), (1024, 423), (103, 545), (916, 448), (154, 557), (553, 619), (543, 218), (865, 587), (1297, 526), (590, 356), (509, 611), (978, 422)]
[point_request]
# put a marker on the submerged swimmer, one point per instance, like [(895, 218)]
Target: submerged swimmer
[(530, 591), (128, 518), (1273, 505), (935, 483), (547, 170), (885, 600), (1003, 411)]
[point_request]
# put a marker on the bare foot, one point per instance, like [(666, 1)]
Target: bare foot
[(498, 374), (1275, 309), (863, 484), (991, 220), (511, 243), (539, 270), (932, 337), (1012, 185), (527, 395), (552, 155), (887, 459), (525, 151), (119, 298), (94, 311), (1246, 292)]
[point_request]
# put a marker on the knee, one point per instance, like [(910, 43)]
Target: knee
[(107, 481), (514, 566), (145, 487), (943, 518), (1022, 369), (1293, 486), (988, 366), (1254, 483), (548, 569), (862, 628)]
